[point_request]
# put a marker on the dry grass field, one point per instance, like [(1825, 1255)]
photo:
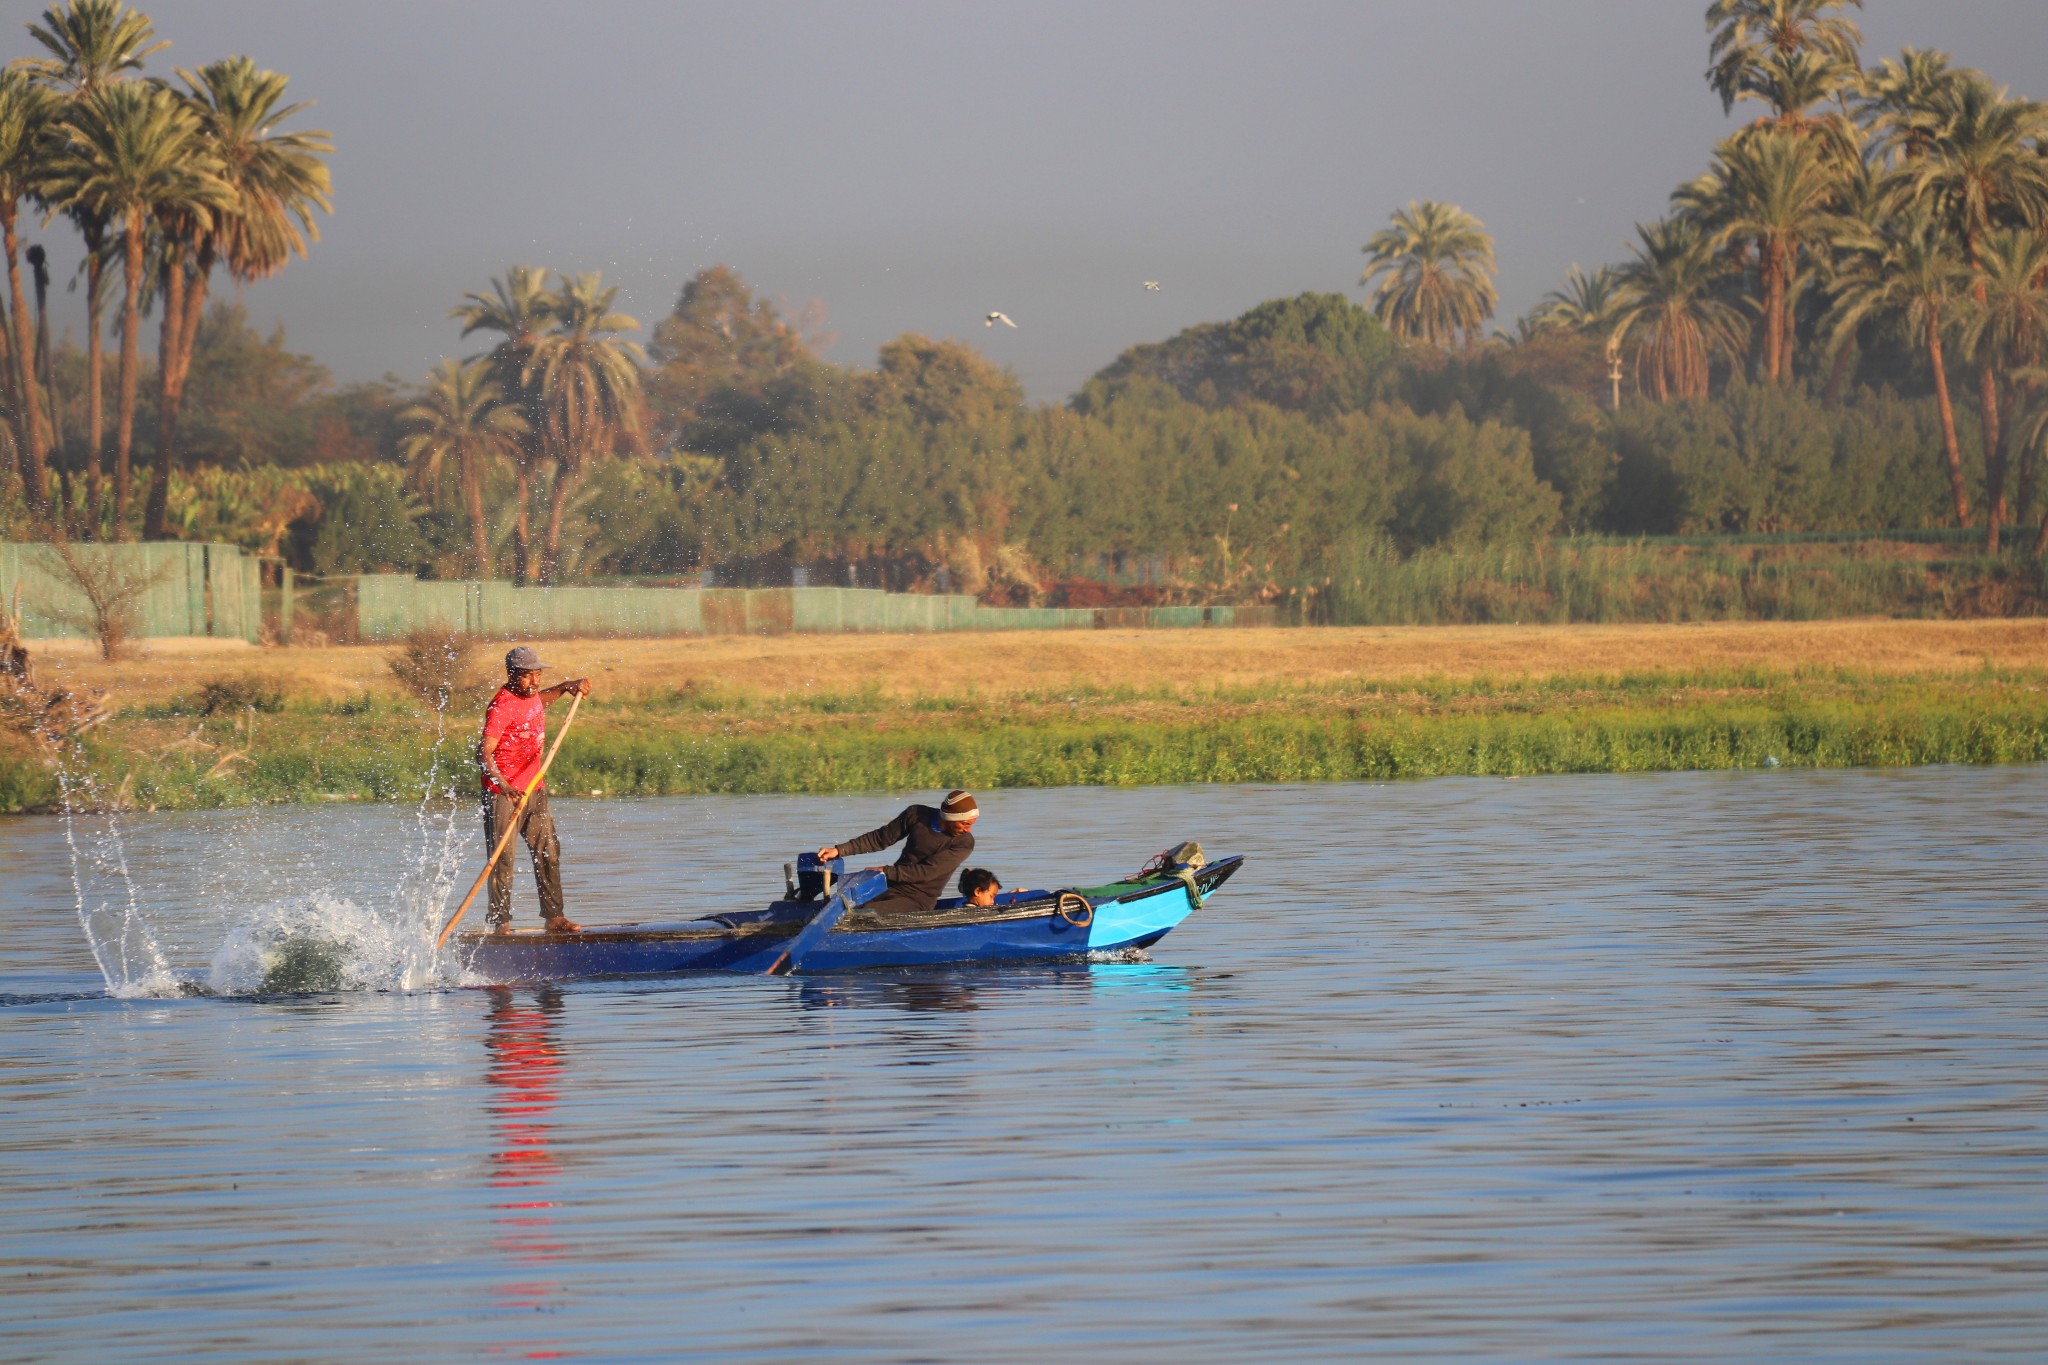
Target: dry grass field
[(200, 724), (994, 666)]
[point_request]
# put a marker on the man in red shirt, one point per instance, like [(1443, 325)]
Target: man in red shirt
[(515, 738)]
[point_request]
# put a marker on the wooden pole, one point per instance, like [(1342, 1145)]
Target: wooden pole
[(512, 826)]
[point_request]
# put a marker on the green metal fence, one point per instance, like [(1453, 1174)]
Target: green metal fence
[(181, 589), (393, 605)]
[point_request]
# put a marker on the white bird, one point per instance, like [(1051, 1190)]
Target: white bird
[(994, 318), (1152, 285)]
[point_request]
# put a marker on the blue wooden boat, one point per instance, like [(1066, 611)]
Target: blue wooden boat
[(1022, 926)]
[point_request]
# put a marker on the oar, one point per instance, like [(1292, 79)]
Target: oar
[(820, 924), (511, 826)]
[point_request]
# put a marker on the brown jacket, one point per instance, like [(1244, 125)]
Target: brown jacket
[(929, 859)]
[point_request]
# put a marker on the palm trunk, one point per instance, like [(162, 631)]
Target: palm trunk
[(1987, 400), (10, 389), (524, 480), (95, 407), (1994, 458), (1838, 373), (179, 369), (1774, 316), (1948, 420), (558, 501), (41, 266), (131, 322), (68, 508), (473, 503), (36, 449), (156, 516), (2023, 500)]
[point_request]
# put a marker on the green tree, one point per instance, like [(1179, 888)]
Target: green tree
[(1754, 41), (132, 153), (26, 112), (1313, 352), (2006, 331), (1982, 168), (1903, 98), (727, 367), (275, 181), (463, 420), (518, 309), (942, 384), (1587, 304), (1668, 304), (1903, 269), (1435, 271), (250, 399), (1777, 193), (586, 378), (91, 43)]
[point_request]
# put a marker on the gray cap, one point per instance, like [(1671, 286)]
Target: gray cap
[(523, 660)]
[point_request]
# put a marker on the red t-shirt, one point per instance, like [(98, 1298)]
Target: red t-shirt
[(519, 724)]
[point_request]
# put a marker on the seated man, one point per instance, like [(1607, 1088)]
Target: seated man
[(935, 841), (978, 887)]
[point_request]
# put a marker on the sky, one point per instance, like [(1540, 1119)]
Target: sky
[(915, 166)]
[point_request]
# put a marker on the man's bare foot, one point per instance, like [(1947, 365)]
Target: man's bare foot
[(504, 928), (562, 924)]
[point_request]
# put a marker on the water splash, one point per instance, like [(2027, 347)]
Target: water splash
[(116, 925), (321, 941)]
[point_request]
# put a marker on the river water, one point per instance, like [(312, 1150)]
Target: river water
[(1676, 1067)]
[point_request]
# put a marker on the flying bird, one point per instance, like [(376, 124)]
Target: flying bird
[(1152, 285), (994, 318)]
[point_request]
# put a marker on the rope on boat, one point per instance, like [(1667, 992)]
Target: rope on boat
[(1074, 909)]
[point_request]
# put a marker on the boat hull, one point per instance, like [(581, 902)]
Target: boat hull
[(1030, 929)]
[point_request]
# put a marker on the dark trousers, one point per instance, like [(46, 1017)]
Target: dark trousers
[(537, 827)]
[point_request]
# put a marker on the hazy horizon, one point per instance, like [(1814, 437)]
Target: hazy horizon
[(914, 165)]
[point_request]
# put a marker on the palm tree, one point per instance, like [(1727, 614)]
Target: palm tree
[(463, 419), (131, 152), (2030, 430), (2006, 330), (1903, 100), (587, 379), (517, 308), (25, 113), (1666, 299), (1904, 268), (277, 180), (1437, 263), (1981, 168), (1776, 192), (91, 43), (1584, 303), (1792, 83), (1748, 34)]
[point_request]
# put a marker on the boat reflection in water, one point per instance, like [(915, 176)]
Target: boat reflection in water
[(942, 990), (524, 1072)]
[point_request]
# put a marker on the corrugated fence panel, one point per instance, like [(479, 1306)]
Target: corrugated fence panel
[(390, 605), (183, 589)]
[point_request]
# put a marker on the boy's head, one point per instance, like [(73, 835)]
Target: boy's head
[(978, 885)]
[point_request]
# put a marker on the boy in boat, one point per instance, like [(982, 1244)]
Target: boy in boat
[(514, 740), (978, 887), (935, 842)]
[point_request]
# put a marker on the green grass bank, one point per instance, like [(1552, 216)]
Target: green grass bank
[(699, 740)]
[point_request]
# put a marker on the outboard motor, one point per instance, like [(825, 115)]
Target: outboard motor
[(813, 878)]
